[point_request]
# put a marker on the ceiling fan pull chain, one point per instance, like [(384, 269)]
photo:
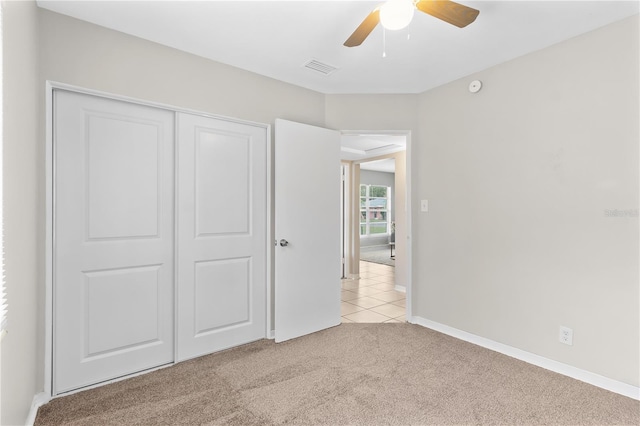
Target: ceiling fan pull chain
[(384, 42)]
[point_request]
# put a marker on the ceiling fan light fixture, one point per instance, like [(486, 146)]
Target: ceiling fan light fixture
[(396, 14)]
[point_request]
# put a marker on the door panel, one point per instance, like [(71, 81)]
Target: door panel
[(307, 201), (113, 220), (120, 184), (222, 227), (105, 293), (228, 177), (212, 279)]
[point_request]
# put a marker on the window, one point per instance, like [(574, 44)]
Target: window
[(374, 209)]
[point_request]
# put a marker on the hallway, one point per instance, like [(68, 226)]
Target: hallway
[(372, 298)]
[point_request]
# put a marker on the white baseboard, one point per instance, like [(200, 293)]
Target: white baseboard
[(38, 401), (400, 288), (546, 363)]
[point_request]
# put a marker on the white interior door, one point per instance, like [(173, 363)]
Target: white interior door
[(307, 229), (222, 228), (114, 227)]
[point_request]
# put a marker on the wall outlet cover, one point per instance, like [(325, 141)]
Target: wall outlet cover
[(566, 335)]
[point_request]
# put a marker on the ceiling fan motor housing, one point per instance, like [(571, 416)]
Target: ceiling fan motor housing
[(396, 14)]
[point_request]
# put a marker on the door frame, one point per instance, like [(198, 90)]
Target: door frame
[(50, 87), (345, 219), (354, 229)]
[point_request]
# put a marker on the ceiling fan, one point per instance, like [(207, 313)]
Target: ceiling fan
[(396, 14)]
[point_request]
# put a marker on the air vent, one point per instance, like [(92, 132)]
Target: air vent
[(320, 67)]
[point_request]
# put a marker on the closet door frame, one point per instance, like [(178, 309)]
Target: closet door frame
[(50, 87)]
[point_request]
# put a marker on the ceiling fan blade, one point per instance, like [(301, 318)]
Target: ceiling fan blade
[(449, 11), (364, 29)]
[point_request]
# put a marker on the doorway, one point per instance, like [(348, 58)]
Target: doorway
[(376, 286)]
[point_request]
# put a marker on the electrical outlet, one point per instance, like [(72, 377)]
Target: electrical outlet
[(566, 335)]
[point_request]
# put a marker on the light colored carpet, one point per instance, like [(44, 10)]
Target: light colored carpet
[(377, 254), (353, 374)]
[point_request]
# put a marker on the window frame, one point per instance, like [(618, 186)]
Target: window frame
[(367, 211)]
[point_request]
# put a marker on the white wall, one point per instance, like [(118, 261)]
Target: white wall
[(20, 348), (519, 177)]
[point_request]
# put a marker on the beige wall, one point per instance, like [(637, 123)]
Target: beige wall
[(86, 55), (372, 112), (23, 201), (519, 176)]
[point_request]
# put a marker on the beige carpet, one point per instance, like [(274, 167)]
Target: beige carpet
[(354, 374)]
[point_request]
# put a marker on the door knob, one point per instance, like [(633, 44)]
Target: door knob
[(284, 243)]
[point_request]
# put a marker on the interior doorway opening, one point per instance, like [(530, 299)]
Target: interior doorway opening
[(376, 217)]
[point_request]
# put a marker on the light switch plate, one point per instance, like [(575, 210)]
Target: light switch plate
[(424, 205)]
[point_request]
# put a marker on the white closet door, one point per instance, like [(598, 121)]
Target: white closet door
[(222, 220), (114, 227)]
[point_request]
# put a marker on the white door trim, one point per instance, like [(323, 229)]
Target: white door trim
[(345, 211), (50, 86), (407, 134)]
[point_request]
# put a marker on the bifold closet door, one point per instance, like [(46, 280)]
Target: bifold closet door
[(222, 228), (114, 239)]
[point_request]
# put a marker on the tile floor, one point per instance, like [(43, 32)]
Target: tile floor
[(372, 298)]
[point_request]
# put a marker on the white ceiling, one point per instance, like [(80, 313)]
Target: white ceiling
[(356, 147), (276, 38), (387, 165), (359, 147)]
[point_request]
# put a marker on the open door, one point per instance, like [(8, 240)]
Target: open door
[(307, 229)]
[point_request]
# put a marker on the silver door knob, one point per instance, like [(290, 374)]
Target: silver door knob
[(284, 243)]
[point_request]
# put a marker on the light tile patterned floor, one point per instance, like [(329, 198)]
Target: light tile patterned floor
[(372, 298)]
